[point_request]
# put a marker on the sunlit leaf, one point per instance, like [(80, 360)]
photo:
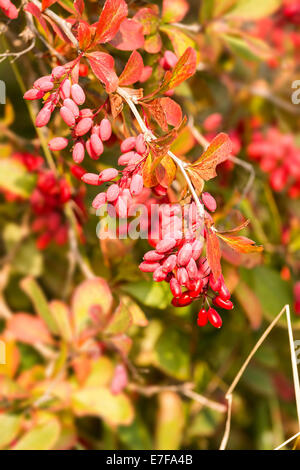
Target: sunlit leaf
[(216, 153), (102, 65), (174, 10), (213, 253), (170, 421), (132, 70), (28, 329), (41, 437), (10, 426), (113, 13)]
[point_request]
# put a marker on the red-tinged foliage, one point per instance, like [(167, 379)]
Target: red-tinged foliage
[(174, 10), (102, 65), (47, 4), (113, 13), (35, 11), (217, 152), (132, 71), (129, 36), (184, 69)]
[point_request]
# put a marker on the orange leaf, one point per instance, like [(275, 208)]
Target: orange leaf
[(156, 111), (132, 70), (84, 35), (216, 153), (102, 65), (112, 15), (29, 329), (149, 176), (172, 111), (184, 69), (166, 171), (47, 4), (213, 253), (240, 244)]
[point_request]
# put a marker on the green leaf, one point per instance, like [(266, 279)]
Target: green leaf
[(205, 423), (137, 314), (153, 294), (42, 437), (253, 9), (29, 260), (61, 314), (37, 297), (120, 321), (172, 353), (253, 49), (10, 426), (258, 380), (135, 436), (99, 401), (15, 178)]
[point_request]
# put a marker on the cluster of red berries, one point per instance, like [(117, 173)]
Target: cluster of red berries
[(177, 260), (9, 9), (121, 193), (68, 96), (47, 202), (279, 156)]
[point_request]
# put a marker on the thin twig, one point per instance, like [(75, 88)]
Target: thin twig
[(185, 389), (150, 136), (287, 441)]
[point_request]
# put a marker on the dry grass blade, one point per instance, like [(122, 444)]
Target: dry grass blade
[(229, 397)]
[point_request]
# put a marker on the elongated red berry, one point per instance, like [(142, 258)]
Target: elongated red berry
[(127, 144), (77, 94), (165, 245), (121, 207), (175, 287), (226, 304), (192, 269), (214, 318), (140, 144), (91, 178), (224, 292), (209, 201), (136, 185), (78, 152), (148, 267), (99, 200), (83, 126), (33, 94), (108, 174), (214, 284), (184, 299), (153, 256), (105, 129), (58, 72), (58, 143), (202, 317), (113, 192), (67, 116), (184, 254), (65, 89), (96, 144), (182, 276), (72, 106), (159, 274), (197, 249), (197, 288), (125, 158), (43, 117), (170, 263)]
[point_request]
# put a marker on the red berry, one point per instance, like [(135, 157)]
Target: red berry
[(214, 318), (226, 304), (202, 317), (175, 287)]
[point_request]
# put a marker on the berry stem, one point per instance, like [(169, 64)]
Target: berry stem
[(150, 136)]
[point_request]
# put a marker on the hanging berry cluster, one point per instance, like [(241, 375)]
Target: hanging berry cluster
[(188, 256)]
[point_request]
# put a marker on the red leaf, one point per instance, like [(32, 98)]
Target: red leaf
[(172, 111), (174, 10), (112, 15), (148, 18), (35, 11), (132, 70), (79, 6), (216, 153), (184, 69), (102, 65), (213, 253), (29, 329), (84, 35), (129, 37), (47, 4)]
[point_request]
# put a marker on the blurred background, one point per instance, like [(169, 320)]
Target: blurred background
[(95, 355)]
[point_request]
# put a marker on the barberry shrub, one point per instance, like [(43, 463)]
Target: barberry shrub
[(139, 117)]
